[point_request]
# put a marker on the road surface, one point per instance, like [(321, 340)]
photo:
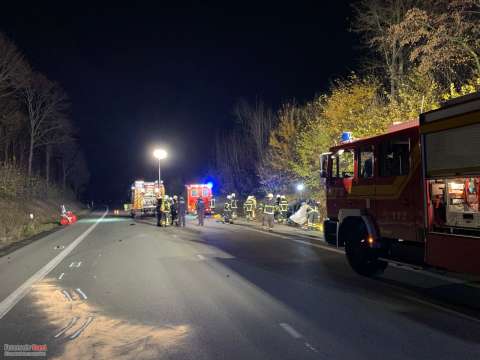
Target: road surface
[(113, 288)]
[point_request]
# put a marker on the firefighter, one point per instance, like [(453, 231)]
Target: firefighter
[(254, 207), (312, 215), (174, 210), (227, 211), (277, 215), (268, 212), (200, 207), (248, 208), (233, 202), (283, 208), (158, 211), (165, 210), (182, 210)]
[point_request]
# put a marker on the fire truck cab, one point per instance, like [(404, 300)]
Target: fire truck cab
[(194, 192), (413, 190)]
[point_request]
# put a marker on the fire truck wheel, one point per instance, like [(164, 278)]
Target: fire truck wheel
[(362, 258)]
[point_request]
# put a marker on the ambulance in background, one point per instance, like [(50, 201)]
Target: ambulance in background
[(412, 190), (195, 191), (144, 196)]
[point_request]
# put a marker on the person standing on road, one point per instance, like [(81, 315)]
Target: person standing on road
[(165, 210), (283, 208), (158, 211), (200, 207), (268, 212), (248, 208), (227, 211), (234, 206), (174, 210), (182, 210)]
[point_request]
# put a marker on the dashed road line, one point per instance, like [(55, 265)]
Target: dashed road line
[(83, 327), (11, 300), (67, 295), (69, 325), (309, 346), (71, 265), (61, 276), (81, 293), (291, 331)]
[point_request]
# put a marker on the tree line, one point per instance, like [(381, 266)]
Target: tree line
[(418, 53), (38, 141)]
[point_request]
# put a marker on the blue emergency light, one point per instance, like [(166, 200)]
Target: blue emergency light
[(346, 136)]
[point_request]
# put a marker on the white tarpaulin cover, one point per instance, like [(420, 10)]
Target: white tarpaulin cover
[(300, 217)]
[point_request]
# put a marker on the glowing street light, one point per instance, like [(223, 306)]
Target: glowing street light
[(160, 154), (300, 188)]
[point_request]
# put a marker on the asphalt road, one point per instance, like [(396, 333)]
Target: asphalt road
[(130, 290)]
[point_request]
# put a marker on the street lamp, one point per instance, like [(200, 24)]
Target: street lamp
[(300, 188), (160, 154)]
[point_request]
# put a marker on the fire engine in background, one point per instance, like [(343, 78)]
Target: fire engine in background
[(194, 191), (144, 197), (414, 190)]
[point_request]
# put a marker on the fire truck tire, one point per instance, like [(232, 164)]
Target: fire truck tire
[(362, 258), (330, 232)]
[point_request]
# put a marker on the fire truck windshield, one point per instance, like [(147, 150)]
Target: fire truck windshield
[(343, 164)]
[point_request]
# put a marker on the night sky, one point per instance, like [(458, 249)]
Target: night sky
[(148, 74)]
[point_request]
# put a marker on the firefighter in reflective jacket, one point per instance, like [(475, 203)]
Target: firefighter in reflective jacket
[(268, 212), (248, 208), (283, 208), (233, 203), (165, 210), (227, 211), (312, 215)]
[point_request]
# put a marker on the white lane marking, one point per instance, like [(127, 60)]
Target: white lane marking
[(310, 347), (290, 330), (71, 265), (67, 295), (324, 247), (83, 327), (410, 268), (201, 257), (61, 276), (442, 308), (81, 293), (9, 302), (79, 264), (396, 264), (69, 325), (404, 266)]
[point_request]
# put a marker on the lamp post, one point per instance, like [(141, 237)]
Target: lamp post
[(159, 154)]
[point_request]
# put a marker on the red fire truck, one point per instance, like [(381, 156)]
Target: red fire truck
[(144, 196), (413, 190), (195, 191)]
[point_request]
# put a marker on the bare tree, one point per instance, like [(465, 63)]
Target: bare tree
[(46, 104), (445, 38), (14, 70), (374, 20)]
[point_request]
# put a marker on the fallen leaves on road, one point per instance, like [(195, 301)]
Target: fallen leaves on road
[(105, 337)]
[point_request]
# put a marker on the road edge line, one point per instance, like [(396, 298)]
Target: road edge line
[(11, 300)]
